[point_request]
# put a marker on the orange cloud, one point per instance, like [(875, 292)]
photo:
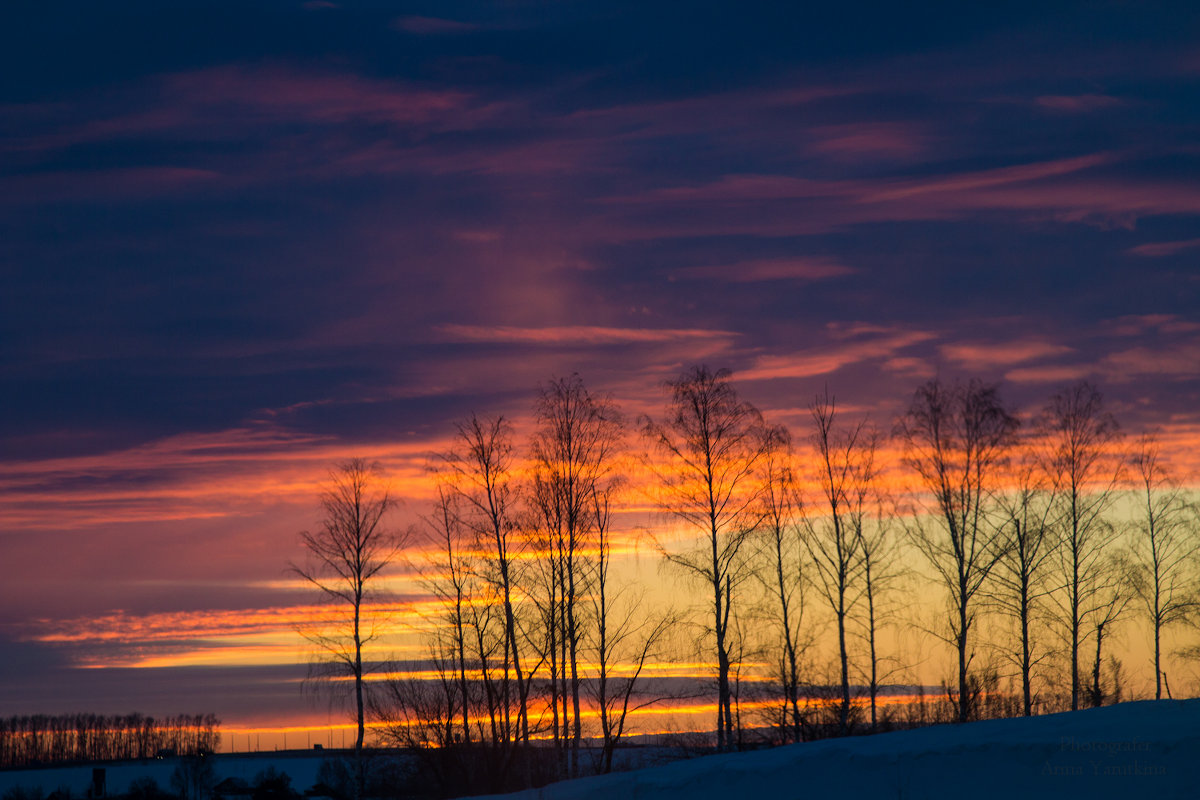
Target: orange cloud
[(831, 358), (1048, 374), (984, 356)]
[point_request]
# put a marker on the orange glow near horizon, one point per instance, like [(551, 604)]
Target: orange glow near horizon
[(682, 716), (264, 486)]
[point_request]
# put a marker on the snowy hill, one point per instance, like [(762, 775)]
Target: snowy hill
[(1145, 749)]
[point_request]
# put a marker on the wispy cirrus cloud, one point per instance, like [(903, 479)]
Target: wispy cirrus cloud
[(1162, 249), (808, 268), (220, 475), (1142, 324), (830, 359), (963, 184), (244, 103), (575, 335), (115, 183), (1177, 360), (872, 140), (1070, 190), (432, 26), (1077, 103), (1174, 356)]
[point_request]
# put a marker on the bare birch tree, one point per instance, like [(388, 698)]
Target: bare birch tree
[(956, 439), (479, 469), (1022, 581), (878, 548), (1110, 606), (451, 581), (624, 640), (711, 441), (345, 558), (784, 576), (573, 450), (1084, 474), (1166, 545), (830, 530)]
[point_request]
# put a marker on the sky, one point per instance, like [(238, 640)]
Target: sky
[(242, 241)]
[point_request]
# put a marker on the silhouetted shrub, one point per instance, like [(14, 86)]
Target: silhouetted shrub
[(146, 789), (24, 793), (271, 784)]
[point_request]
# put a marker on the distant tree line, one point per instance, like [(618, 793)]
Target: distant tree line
[(54, 739), (799, 542)]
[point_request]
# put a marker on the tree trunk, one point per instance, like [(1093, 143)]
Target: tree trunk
[(1157, 636), (874, 687), (964, 694), (573, 639), (1074, 592), (844, 712), (360, 780), (1026, 666)]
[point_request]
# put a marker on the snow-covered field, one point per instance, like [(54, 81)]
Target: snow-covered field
[(1134, 750), (300, 766)]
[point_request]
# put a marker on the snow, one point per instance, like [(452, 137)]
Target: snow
[(1146, 749), (301, 766)]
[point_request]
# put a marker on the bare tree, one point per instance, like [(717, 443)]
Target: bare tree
[(1110, 606), (624, 635), (545, 589), (1083, 473), (449, 577), (1166, 548), (832, 538), (194, 777), (345, 557), (573, 450), (479, 470), (956, 439), (712, 442), (1021, 580), (877, 545), (783, 578)]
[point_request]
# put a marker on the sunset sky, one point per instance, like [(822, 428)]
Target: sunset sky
[(240, 241)]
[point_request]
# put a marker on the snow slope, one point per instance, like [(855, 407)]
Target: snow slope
[(1134, 750)]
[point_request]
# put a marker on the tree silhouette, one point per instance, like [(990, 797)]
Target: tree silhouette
[(712, 442), (622, 636), (783, 575), (1166, 544), (1083, 475), (833, 529), (479, 470), (577, 438), (956, 438), (345, 558), (1021, 581)]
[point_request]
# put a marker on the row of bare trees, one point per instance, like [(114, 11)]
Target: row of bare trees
[(52, 739), (1024, 525), (532, 634), (536, 637)]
